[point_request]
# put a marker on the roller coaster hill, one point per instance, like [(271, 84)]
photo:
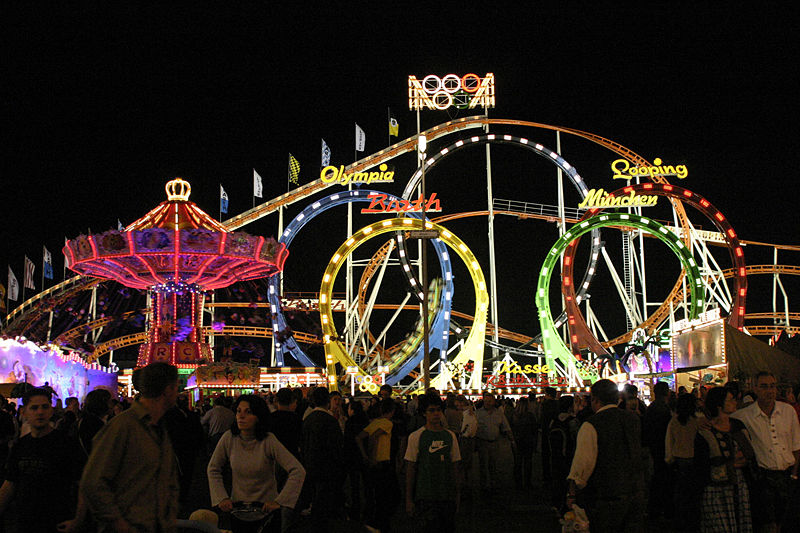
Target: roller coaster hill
[(363, 318)]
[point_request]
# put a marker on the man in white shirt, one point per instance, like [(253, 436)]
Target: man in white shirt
[(775, 435)]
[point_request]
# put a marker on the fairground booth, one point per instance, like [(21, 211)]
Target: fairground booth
[(708, 351)]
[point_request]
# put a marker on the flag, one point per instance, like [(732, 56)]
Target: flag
[(294, 170), (48, 264), (29, 267), (326, 154), (120, 227), (257, 186), (361, 139), (223, 200), (13, 286), (394, 126)]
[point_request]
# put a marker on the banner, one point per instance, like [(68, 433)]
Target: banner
[(394, 126), (223, 200), (13, 286), (326, 154), (361, 139), (257, 186), (29, 268), (294, 170), (48, 264)]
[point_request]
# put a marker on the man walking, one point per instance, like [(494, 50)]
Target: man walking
[(322, 457), (775, 435), (492, 423), (130, 482), (607, 465)]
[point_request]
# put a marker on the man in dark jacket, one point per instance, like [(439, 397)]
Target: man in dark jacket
[(654, 425), (549, 412), (607, 465), (323, 460)]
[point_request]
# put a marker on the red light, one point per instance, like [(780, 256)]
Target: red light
[(627, 189), (704, 202), (739, 252), (742, 291), (567, 260), (569, 298), (719, 216), (574, 339), (731, 233), (687, 194), (648, 186), (742, 272), (668, 187), (566, 282)]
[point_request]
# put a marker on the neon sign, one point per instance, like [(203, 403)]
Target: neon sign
[(332, 174), (522, 381), (366, 383), (624, 171), (464, 92), (512, 367), (600, 198), (378, 204)]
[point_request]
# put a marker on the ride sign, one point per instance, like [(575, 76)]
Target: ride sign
[(464, 92)]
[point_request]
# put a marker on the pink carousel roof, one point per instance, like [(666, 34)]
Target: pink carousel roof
[(177, 242)]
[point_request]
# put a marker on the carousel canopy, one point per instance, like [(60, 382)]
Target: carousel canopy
[(175, 243)]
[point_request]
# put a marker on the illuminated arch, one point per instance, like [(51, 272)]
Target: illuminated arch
[(496, 138), (554, 347), (439, 329), (335, 352), (579, 330)]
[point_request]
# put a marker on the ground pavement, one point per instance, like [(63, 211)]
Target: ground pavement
[(507, 509)]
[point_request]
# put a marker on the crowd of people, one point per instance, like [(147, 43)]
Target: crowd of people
[(713, 459)]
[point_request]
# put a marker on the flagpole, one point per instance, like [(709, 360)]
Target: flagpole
[(389, 122)]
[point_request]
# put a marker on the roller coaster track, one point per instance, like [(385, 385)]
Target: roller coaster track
[(55, 295), (234, 331)]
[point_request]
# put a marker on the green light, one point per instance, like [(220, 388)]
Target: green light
[(554, 347)]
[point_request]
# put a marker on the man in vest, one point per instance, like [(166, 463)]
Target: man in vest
[(606, 472)]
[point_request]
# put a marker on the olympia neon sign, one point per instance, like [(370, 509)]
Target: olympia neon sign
[(464, 92)]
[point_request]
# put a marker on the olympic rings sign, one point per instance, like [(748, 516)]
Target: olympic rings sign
[(465, 92), (366, 383)]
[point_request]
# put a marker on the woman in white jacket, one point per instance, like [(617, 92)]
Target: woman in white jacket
[(252, 453)]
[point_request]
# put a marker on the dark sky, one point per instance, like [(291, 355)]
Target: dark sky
[(101, 107)]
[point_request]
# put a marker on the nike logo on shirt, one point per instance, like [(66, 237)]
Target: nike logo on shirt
[(436, 446)]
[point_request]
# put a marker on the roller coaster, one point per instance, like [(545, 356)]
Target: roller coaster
[(571, 342)]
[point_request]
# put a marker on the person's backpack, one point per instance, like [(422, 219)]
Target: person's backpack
[(561, 444)]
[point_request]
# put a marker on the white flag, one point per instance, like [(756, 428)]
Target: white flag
[(257, 187), (29, 268), (223, 200), (326, 154), (48, 263), (361, 139), (13, 286), (120, 227)]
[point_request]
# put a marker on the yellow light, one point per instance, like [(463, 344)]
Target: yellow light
[(326, 278), (323, 298), (407, 221), (350, 242), (367, 230), (387, 222)]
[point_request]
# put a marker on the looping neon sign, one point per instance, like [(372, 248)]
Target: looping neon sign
[(464, 92)]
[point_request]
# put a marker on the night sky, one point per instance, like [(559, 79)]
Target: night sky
[(101, 108)]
